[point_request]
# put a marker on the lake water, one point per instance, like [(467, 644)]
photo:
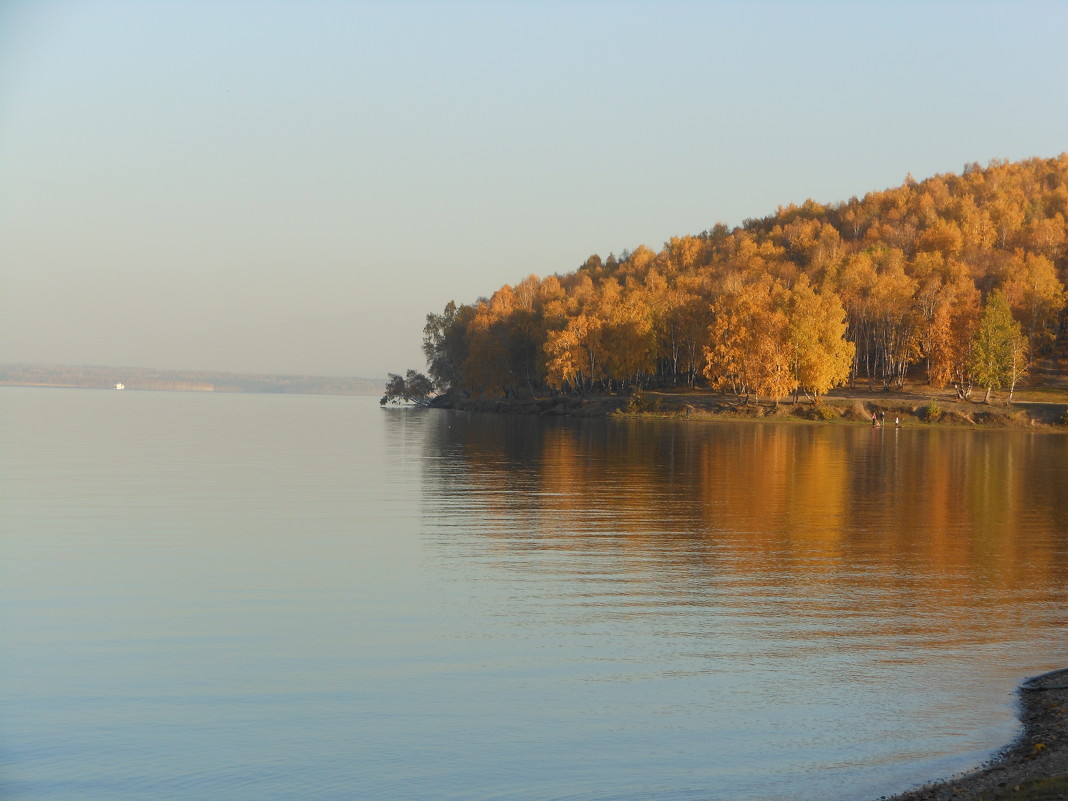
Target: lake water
[(280, 597)]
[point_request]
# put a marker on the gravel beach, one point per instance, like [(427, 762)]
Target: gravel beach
[(1034, 768)]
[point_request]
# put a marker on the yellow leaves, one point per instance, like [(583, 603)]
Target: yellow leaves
[(562, 352), (952, 319), (684, 251), (748, 341), (771, 340), (944, 237), (822, 355), (640, 260), (767, 304), (1036, 294), (550, 291), (527, 292)]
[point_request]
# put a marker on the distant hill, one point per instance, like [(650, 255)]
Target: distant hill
[(955, 280), (144, 378)]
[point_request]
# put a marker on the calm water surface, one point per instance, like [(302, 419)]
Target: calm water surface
[(277, 597)]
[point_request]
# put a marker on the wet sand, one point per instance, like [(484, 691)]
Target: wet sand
[(1033, 768)]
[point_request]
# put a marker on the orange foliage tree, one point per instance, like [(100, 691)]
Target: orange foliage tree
[(873, 289)]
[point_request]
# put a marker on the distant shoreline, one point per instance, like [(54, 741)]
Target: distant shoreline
[(148, 379)]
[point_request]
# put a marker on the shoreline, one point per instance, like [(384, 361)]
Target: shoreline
[(1034, 767), (853, 407)]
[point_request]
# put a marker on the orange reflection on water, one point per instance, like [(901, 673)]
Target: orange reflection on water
[(927, 519)]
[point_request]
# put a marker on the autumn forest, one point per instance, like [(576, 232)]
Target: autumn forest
[(957, 280)]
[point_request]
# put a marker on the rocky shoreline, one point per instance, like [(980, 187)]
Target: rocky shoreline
[(1033, 768)]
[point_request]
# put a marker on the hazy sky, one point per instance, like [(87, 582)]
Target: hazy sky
[(292, 186)]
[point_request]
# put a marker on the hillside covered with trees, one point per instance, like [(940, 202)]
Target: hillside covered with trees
[(958, 280)]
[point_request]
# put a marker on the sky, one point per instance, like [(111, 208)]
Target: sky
[(290, 187)]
